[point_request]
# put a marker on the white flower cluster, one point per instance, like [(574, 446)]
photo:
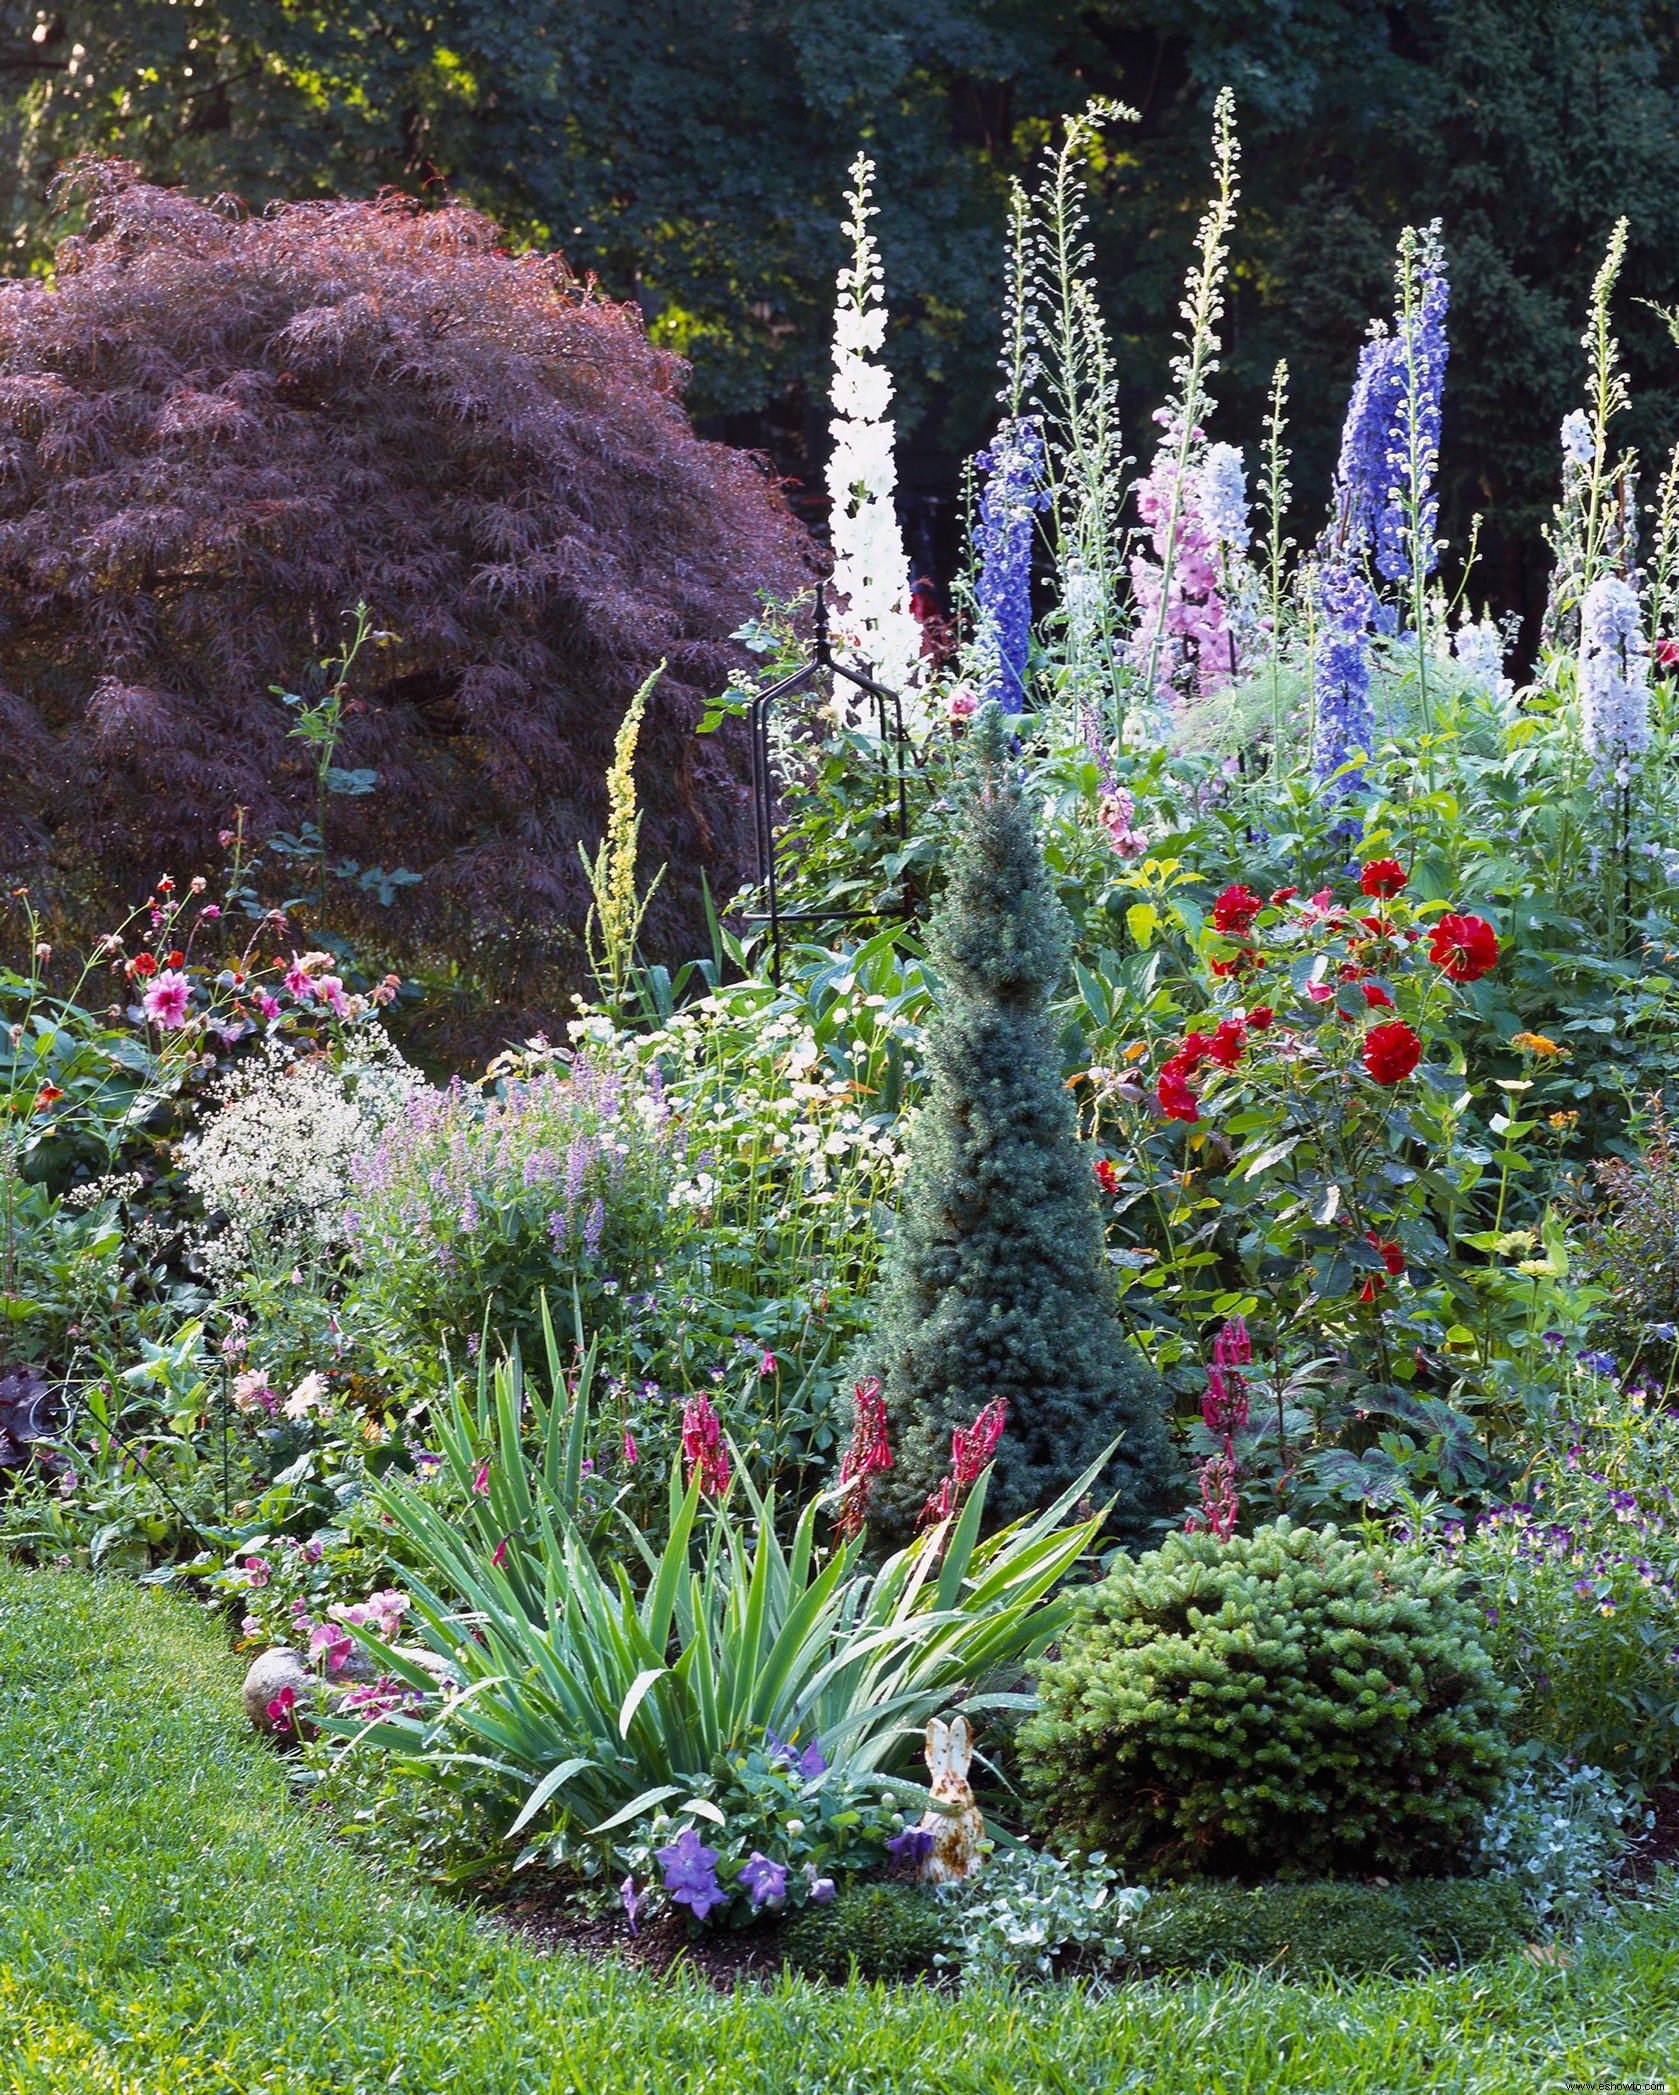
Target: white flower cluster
[(1224, 497), (1479, 649), (1614, 675), (272, 1168), (880, 633)]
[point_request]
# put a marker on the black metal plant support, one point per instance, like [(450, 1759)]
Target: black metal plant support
[(893, 742)]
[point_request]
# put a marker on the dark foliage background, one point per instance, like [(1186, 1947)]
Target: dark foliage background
[(217, 432), (692, 152)]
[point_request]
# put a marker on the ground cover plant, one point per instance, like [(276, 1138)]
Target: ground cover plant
[(1155, 1326)]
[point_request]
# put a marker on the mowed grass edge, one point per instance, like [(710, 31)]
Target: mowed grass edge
[(171, 1923)]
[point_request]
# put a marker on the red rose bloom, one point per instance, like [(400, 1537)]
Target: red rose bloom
[(1229, 1040), (1383, 876), (1391, 1052), (1235, 910), (1260, 1019), (1282, 895), (1665, 654), (1189, 1058), (1464, 948), (1375, 994), (1177, 1101), (1106, 1176)]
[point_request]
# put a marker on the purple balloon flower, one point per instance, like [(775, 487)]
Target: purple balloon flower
[(912, 1846), (765, 1880), (690, 1869), (632, 1902)]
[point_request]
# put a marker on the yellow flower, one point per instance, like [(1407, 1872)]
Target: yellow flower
[(1563, 1122), (1538, 1044)]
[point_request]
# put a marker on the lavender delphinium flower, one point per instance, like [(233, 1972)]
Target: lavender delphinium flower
[(1341, 681), (1224, 497), (690, 1869), (1012, 463), (1614, 674)]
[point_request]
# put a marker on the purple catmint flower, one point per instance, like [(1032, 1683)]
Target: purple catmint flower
[(592, 1228), (1342, 720), (690, 1869), (765, 1880), (1012, 463)]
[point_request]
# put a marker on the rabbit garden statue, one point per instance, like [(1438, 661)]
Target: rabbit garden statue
[(958, 1828)]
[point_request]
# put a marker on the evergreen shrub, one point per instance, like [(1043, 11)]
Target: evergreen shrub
[(1292, 1702), (995, 1283)]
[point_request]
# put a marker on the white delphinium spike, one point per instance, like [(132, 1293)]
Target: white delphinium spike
[(1614, 675), (1579, 445), (1224, 497), (878, 631), (1479, 649)]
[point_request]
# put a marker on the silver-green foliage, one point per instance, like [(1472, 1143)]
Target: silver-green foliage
[(1024, 1909)]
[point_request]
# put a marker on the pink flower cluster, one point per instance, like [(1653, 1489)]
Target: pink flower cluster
[(703, 1450), (1225, 1409), (1195, 639), (971, 1452)]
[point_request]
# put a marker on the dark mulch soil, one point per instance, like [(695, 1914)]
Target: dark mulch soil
[(548, 1922), (1660, 1843)]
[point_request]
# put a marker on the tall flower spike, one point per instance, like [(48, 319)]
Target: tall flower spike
[(1408, 504), (1614, 675), (878, 630), (1013, 465), (1342, 722)]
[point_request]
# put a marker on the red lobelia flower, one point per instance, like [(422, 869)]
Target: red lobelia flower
[(1383, 876), (1464, 948), (1391, 1052), (1392, 1258)]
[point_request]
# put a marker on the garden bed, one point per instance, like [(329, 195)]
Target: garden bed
[(170, 1922)]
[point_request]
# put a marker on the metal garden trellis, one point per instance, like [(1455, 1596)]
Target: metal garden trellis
[(893, 743)]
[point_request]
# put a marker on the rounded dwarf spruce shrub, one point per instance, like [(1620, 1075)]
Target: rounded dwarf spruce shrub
[(1292, 1702)]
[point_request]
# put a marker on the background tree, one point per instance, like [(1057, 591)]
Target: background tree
[(219, 432), (995, 1284), (694, 155)]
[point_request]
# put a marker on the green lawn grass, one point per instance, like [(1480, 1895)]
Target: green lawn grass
[(169, 1922)]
